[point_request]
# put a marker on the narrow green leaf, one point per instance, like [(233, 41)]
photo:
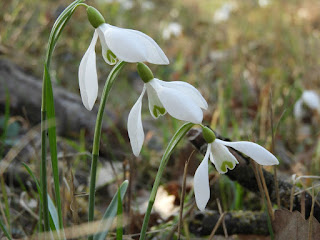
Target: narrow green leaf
[(6, 122), (53, 144), (119, 217), (110, 213), (181, 132), (48, 113), (58, 27), (6, 202), (54, 221), (4, 229)]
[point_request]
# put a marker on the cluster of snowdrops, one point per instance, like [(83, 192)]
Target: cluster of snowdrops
[(180, 99)]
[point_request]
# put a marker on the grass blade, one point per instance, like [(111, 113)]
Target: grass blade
[(6, 123), (111, 212), (53, 221), (5, 231)]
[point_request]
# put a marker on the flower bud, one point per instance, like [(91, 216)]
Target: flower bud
[(208, 135), (144, 72), (95, 17)]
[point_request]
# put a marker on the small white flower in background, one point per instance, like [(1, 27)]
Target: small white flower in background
[(147, 5), (117, 43), (263, 3), (125, 4), (222, 158), (309, 100), (173, 29), (180, 99), (223, 13)]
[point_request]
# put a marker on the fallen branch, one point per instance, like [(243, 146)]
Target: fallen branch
[(25, 98), (241, 222), (244, 175)]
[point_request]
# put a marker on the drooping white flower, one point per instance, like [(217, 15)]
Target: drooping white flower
[(221, 157), (180, 99), (309, 100), (117, 44)]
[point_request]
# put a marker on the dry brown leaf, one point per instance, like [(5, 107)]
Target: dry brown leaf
[(293, 226)]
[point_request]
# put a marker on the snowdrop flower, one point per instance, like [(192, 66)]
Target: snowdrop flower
[(223, 13), (173, 29), (117, 43), (223, 160), (264, 3), (309, 100), (180, 99)]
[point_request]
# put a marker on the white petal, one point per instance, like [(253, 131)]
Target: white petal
[(105, 51), (201, 183), (155, 106), (311, 99), (252, 150), (188, 90), (221, 157), (178, 104), (134, 46), (135, 129), (298, 110), (88, 79)]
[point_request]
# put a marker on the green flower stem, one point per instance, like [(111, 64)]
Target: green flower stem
[(182, 131), (97, 134)]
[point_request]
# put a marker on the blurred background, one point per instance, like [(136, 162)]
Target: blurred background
[(252, 61)]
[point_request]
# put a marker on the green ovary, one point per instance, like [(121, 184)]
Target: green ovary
[(226, 164), (158, 111), (111, 57)]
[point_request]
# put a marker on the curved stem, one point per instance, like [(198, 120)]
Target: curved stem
[(182, 131), (97, 134)]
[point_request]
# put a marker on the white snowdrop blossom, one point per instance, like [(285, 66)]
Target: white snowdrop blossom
[(222, 158), (223, 13), (117, 44), (309, 100), (180, 99), (173, 29), (264, 3)]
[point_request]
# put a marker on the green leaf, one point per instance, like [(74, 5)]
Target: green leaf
[(110, 213), (49, 112), (53, 144), (119, 217), (4, 229), (54, 221)]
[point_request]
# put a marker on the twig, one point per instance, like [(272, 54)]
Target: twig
[(269, 204), (256, 173), (223, 222), (311, 215), (272, 150), (175, 227), (216, 226)]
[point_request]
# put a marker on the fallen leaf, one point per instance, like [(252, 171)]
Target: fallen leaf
[(293, 226)]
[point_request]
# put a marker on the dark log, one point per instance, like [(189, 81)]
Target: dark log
[(241, 222), (25, 98), (244, 175)]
